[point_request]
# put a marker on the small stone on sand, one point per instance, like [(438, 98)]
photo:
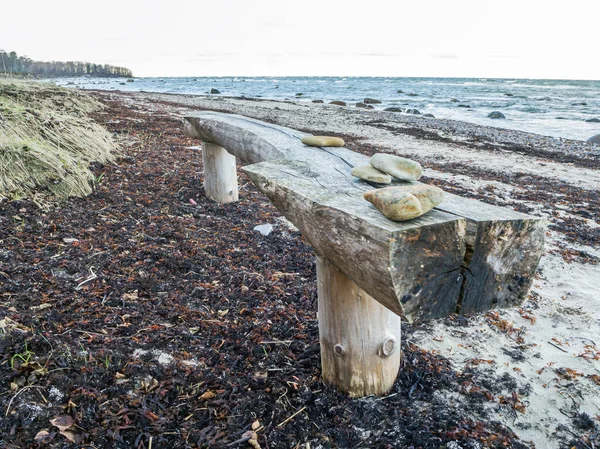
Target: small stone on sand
[(370, 173), (323, 141), (397, 166)]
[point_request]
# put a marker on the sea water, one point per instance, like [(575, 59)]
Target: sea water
[(557, 108)]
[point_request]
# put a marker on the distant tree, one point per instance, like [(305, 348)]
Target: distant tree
[(14, 64)]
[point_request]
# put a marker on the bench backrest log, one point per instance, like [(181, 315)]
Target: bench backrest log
[(462, 257)]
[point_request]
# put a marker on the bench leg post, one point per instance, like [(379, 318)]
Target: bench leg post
[(220, 176), (360, 338)]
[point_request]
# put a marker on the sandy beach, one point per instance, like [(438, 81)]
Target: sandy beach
[(531, 375)]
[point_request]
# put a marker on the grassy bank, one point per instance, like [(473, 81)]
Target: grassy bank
[(48, 141)]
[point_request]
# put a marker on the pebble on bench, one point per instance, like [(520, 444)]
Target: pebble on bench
[(398, 167), (322, 141), (370, 173), (403, 203)]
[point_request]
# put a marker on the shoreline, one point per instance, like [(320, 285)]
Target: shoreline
[(553, 108)]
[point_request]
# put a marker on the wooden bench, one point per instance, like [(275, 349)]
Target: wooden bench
[(462, 257)]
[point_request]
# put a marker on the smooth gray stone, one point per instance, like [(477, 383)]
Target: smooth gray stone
[(215, 91), (394, 109), (371, 101), (413, 111), (363, 106), (594, 139), (398, 167), (338, 103), (370, 173), (593, 120), (496, 115)]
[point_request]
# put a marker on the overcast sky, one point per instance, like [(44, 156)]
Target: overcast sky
[(445, 38)]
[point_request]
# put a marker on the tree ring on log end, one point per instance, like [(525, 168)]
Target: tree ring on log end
[(339, 349), (388, 346)]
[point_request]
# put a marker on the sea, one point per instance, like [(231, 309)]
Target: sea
[(567, 109)]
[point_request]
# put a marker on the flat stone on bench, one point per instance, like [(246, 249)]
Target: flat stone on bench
[(323, 141), (370, 173), (398, 167)]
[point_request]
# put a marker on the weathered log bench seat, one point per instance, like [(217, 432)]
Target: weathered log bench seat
[(462, 257)]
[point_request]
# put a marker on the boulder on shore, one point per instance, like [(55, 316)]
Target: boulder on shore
[(398, 167), (394, 109), (317, 101), (413, 111), (496, 115), (594, 139), (364, 106), (371, 101), (338, 103)]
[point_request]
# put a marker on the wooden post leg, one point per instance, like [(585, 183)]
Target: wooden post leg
[(220, 176), (360, 338)]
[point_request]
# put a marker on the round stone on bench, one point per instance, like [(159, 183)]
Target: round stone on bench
[(397, 205), (403, 203), (323, 141), (370, 173), (398, 167)]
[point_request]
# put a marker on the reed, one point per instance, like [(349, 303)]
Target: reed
[(48, 141)]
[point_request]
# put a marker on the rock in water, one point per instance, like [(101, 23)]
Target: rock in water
[(405, 202), (371, 101), (397, 205), (397, 166), (215, 91), (370, 173), (364, 106), (496, 114), (322, 141), (413, 111), (394, 109), (594, 139), (593, 120)]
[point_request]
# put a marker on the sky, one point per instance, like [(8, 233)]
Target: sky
[(435, 38)]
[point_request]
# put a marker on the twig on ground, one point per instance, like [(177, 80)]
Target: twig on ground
[(285, 421)]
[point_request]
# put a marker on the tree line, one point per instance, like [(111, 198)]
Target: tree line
[(12, 63)]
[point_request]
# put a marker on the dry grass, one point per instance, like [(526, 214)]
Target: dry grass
[(47, 141)]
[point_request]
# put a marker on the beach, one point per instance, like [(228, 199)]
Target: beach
[(191, 326)]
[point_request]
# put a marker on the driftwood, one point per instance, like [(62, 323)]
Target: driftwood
[(463, 256)]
